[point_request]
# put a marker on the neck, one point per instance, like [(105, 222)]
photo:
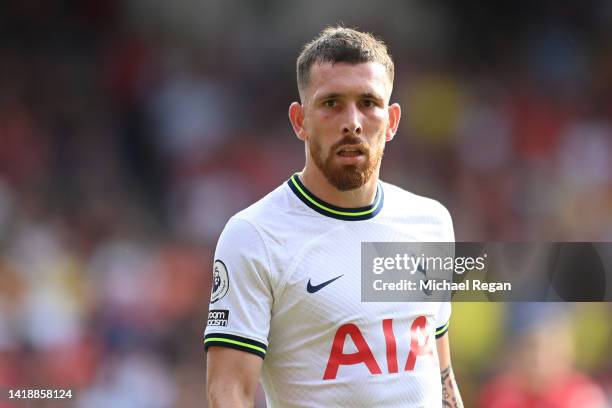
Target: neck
[(315, 181)]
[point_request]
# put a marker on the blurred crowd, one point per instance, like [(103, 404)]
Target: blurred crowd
[(126, 143)]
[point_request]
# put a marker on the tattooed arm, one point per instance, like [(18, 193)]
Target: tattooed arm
[(450, 392)]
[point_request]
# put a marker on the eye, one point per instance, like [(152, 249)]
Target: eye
[(330, 103), (368, 103)]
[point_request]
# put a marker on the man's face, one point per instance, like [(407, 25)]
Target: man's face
[(347, 121)]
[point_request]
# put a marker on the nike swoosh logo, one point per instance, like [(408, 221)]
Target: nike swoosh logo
[(312, 289)]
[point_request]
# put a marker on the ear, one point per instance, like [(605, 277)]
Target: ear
[(395, 113), (296, 117)]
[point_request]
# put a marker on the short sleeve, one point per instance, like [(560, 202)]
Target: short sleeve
[(448, 232), (443, 319), (444, 313), (241, 296)]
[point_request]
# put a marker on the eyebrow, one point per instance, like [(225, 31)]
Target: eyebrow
[(370, 95), (365, 95), (332, 95)]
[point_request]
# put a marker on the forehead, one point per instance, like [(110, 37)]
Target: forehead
[(346, 79)]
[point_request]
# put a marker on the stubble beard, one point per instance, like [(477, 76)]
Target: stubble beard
[(346, 177)]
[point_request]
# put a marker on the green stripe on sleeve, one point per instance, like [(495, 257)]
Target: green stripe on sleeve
[(441, 330), (234, 342)]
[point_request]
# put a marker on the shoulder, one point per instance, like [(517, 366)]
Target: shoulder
[(405, 201), (241, 244), (269, 215), (255, 238), (405, 205), (272, 206)]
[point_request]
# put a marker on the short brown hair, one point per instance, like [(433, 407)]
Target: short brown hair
[(341, 44)]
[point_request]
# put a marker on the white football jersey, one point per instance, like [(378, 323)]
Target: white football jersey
[(287, 276)]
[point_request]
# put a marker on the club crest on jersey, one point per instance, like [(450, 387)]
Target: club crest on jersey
[(220, 281)]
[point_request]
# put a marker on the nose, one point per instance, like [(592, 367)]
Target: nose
[(351, 125)]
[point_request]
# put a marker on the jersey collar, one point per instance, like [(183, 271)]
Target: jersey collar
[(329, 210)]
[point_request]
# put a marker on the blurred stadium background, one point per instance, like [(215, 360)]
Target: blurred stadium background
[(131, 130)]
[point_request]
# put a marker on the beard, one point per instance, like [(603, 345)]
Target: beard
[(346, 177)]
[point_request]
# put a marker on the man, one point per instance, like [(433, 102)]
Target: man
[(286, 300)]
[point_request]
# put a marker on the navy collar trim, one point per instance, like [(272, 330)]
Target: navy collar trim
[(329, 210)]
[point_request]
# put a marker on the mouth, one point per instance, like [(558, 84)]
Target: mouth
[(349, 151)]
